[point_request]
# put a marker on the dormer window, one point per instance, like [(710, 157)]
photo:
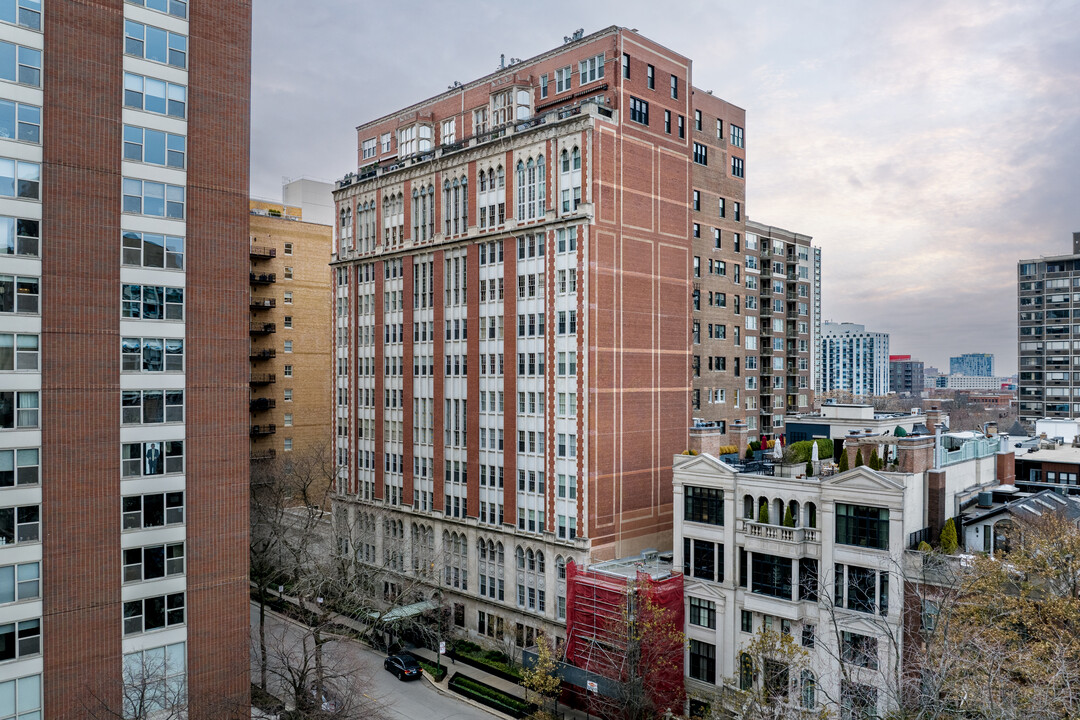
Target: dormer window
[(415, 139), (510, 105)]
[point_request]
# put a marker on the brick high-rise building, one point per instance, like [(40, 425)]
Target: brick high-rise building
[(290, 323), (123, 369), (518, 262)]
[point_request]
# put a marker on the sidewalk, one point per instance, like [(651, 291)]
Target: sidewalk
[(468, 671)]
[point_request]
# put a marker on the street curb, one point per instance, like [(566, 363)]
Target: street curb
[(447, 691)]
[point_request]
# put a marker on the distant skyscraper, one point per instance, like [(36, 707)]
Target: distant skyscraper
[(975, 364), (853, 360), (1046, 352)]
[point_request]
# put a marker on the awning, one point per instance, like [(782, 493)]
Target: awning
[(405, 611)]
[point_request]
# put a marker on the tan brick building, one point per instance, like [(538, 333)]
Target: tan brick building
[(290, 329)]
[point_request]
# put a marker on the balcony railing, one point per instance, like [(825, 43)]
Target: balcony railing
[(262, 378), (262, 303), (262, 328), (263, 278), (259, 251), (258, 355), (262, 430), (267, 454), (262, 404), (781, 533)]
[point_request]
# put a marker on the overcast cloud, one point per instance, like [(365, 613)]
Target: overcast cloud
[(925, 145)]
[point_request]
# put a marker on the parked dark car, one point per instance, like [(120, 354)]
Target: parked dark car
[(404, 666)]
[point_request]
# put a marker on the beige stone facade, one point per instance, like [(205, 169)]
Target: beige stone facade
[(290, 312)]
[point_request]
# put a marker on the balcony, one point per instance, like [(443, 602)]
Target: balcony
[(262, 253), (258, 355), (262, 303), (262, 328), (263, 454), (262, 378), (262, 404), (263, 278), (263, 430), (780, 540)]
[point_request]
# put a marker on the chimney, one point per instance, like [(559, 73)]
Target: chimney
[(933, 418), (1006, 468)]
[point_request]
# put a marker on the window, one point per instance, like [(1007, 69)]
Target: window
[(736, 135), (703, 613), (287, 322), (703, 505), (18, 351), (639, 111), (20, 64), (857, 701), (562, 79), (152, 250), (20, 121), (667, 121), (287, 444), (859, 650), (151, 302), (682, 126), (142, 407), (20, 524), (626, 66), (703, 560), (153, 562), (771, 575), (153, 510), (20, 179), (154, 147), (369, 148), (26, 13), (19, 410), (152, 458), (155, 96), (287, 394), (674, 87), (736, 167), (151, 43), (287, 271), (19, 640), (287, 298), (287, 371), (20, 582), (153, 613), (697, 200), (449, 132), (151, 354), (701, 154), (288, 249), (161, 670), (591, 69), (650, 76), (719, 129), (697, 120), (862, 526), (153, 198), (543, 86), (19, 467), (703, 661), (176, 8), (288, 419)]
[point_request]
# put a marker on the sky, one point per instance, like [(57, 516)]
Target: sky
[(926, 146)]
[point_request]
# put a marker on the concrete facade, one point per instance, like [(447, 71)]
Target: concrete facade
[(853, 360), (1047, 354)]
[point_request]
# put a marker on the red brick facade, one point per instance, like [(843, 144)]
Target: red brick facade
[(81, 290)]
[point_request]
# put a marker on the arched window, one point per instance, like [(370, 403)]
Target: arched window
[(541, 186), (520, 558), (531, 584), (500, 178), (808, 690), (748, 507), (521, 190), (746, 672), (482, 177), (565, 161), (530, 189), (793, 508), (447, 197), (811, 515)]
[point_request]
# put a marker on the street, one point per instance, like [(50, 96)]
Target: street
[(383, 695)]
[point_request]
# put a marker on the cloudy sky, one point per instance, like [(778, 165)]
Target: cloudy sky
[(925, 145)]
